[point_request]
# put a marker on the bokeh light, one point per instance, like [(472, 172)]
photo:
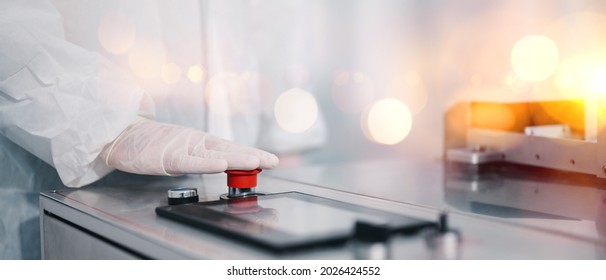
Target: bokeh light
[(387, 121), (116, 33), (296, 110), (196, 73), (352, 91), (582, 79), (534, 58), (171, 73), (582, 76), (146, 58)]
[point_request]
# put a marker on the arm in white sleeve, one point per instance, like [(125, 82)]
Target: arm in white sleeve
[(58, 101)]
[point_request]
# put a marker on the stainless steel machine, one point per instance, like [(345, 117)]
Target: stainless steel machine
[(531, 189), (565, 135)]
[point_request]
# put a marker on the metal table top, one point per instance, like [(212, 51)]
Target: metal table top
[(560, 202), (121, 209)]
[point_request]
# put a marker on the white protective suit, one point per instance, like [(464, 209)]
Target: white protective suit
[(75, 74)]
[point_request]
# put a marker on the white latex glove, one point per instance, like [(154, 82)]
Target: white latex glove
[(154, 148)]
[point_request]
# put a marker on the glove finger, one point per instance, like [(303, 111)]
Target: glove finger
[(235, 161), (190, 164), (267, 160)]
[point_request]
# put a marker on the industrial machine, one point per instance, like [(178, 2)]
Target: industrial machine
[(565, 135), (421, 209), (518, 181)]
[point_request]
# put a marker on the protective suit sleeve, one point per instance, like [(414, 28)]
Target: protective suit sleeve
[(59, 101)]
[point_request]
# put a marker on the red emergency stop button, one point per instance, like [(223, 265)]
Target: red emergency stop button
[(242, 179)]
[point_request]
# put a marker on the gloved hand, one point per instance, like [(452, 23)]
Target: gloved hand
[(154, 148)]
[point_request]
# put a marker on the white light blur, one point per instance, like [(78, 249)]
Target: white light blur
[(582, 76), (387, 122), (296, 110), (171, 73), (196, 73), (146, 59), (352, 91), (534, 58), (597, 79), (116, 33)]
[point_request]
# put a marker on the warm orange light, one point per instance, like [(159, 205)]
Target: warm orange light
[(582, 76), (494, 116), (568, 112)]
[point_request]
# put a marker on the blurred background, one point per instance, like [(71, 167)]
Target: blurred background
[(331, 81), (351, 79)]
